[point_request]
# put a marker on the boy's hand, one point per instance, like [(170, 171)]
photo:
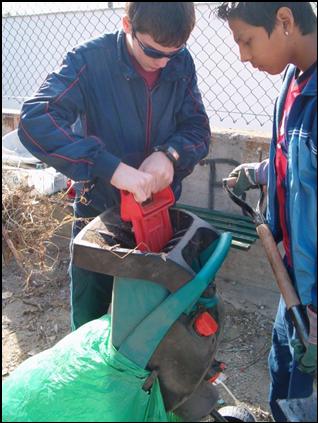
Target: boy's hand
[(249, 175), (245, 178), (307, 357), (140, 184), (160, 167)]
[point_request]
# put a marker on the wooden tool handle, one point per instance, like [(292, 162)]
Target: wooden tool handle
[(282, 278)]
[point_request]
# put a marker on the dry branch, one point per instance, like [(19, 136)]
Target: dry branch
[(29, 221)]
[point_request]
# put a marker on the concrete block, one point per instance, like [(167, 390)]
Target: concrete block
[(10, 120), (228, 149)]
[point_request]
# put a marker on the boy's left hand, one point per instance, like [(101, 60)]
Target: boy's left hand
[(160, 167), (307, 356)]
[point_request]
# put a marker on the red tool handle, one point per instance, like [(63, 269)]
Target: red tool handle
[(150, 220), (130, 208)]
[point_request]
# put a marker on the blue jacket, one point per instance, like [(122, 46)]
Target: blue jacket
[(301, 185), (96, 111)]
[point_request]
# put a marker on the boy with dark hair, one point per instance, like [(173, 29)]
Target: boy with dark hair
[(271, 36), (140, 124)]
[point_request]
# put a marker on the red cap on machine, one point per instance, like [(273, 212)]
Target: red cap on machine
[(205, 325)]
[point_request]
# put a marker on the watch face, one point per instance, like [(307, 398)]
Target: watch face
[(170, 152), (173, 153)]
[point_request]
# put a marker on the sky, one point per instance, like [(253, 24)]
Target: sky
[(35, 7), (23, 8)]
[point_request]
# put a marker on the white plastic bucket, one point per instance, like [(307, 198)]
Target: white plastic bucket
[(14, 152)]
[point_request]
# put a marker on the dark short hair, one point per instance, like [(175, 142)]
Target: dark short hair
[(264, 14), (168, 23)]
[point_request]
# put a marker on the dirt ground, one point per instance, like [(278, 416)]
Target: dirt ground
[(35, 318)]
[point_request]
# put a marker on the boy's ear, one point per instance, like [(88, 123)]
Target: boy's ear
[(285, 18), (127, 28)]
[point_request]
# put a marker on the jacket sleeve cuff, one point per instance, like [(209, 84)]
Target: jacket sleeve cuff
[(261, 172), (105, 165)]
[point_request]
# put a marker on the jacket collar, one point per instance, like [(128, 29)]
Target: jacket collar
[(311, 86), (310, 89), (175, 69)]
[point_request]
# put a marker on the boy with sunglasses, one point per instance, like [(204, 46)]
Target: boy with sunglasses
[(272, 36), (123, 112)]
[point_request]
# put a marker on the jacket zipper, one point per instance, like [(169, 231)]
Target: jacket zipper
[(148, 124), (149, 116), (287, 190)]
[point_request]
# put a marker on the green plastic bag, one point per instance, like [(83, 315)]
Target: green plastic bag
[(82, 379)]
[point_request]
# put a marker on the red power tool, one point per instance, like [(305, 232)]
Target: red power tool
[(150, 220)]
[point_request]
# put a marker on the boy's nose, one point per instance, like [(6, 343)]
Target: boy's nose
[(162, 62), (245, 56)]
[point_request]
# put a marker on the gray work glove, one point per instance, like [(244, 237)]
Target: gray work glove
[(307, 356), (249, 175)]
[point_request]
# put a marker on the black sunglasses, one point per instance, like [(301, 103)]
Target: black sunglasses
[(156, 54)]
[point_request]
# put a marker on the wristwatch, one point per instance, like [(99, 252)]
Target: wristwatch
[(169, 151)]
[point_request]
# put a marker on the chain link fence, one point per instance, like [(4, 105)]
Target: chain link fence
[(36, 36)]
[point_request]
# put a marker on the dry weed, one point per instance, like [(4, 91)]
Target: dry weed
[(29, 221)]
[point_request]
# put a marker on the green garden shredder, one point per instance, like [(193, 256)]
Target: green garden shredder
[(166, 315)]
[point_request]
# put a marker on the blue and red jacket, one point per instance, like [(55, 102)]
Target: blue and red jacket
[(300, 184), (97, 111)]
